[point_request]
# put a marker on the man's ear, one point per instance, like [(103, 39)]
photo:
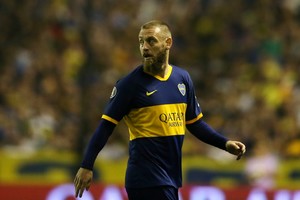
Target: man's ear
[(169, 42)]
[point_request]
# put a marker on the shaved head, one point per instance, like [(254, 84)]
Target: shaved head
[(159, 26), (155, 42)]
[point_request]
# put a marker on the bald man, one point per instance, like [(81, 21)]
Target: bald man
[(157, 101)]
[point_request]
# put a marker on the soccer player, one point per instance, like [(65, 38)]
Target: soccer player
[(157, 101)]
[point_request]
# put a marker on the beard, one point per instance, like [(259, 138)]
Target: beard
[(155, 63)]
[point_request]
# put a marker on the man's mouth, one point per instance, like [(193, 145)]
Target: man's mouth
[(147, 55)]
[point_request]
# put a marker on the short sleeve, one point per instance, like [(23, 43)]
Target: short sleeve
[(119, 103)]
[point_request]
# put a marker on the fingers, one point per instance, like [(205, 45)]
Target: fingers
[(241, 148), (80, 186), (87, 187), (82, 181), (239, 156), (236, 148), (77, 184)]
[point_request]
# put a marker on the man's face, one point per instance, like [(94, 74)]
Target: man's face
[(153, 47)]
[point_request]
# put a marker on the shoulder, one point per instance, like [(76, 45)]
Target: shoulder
[(132, 76), (179, 71)]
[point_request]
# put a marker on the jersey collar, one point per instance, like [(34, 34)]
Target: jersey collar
[(169, 72)]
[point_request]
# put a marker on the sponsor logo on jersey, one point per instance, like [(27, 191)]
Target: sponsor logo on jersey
[(172, 119), (150, 93)]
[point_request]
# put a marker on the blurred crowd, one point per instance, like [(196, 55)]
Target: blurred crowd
[(59, 60)]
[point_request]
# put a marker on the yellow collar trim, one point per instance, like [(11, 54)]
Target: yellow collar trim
[(169, 72)]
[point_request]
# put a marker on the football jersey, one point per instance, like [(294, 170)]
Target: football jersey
[(156, 111)]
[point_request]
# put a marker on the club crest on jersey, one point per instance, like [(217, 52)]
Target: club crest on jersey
[(113, 93), (181, 88)]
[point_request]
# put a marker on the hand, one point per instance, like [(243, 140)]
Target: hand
[(82, 181), (236, 148)]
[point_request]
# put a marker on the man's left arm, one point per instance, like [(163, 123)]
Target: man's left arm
[(207, 134)]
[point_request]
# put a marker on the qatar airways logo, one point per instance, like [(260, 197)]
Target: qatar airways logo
[(173, 119)]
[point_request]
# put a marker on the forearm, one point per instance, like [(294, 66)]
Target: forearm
[(97, 142), (207, 134)]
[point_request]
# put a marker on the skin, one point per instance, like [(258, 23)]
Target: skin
[(155, 43)]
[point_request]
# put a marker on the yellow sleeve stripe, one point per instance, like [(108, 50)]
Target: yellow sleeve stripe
[(193, 120), (109, 119)]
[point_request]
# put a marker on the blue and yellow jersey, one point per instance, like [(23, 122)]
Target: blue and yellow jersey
[(156, 111)]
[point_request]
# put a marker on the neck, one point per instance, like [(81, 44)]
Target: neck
[(160, 70)]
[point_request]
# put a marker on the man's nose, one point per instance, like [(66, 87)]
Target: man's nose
[(145, 46)]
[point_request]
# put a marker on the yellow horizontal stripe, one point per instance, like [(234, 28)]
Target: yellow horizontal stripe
[(193, 120), (109, 119), (156, 121)]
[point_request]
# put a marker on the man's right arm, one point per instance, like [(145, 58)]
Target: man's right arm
[(97, 142), (84, 175)]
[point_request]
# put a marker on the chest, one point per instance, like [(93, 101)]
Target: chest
[(154, 92)]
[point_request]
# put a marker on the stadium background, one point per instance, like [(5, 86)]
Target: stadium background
[(59, 60)]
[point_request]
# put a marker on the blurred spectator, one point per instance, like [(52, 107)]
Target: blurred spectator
[(262, 166), (60, 59)]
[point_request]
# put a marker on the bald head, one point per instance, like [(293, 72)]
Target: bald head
[(159, 27), (155, 43)]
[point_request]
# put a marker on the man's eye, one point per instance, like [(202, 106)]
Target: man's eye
[(151, 42)]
